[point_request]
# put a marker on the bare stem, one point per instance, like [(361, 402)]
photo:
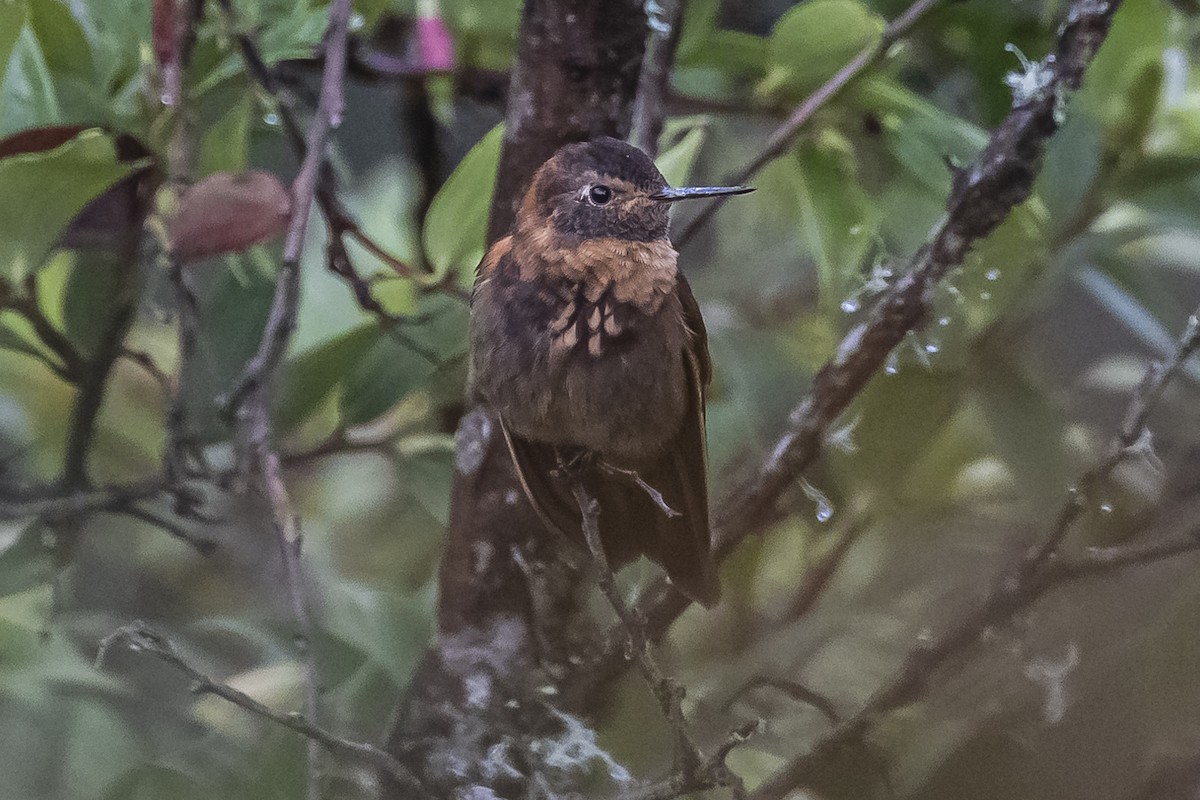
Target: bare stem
[(140, 637), (650, 104), (692, 772), (250, 399)]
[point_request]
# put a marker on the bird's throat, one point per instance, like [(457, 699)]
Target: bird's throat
[(640, 274)]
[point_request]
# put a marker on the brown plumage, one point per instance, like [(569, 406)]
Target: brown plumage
[(587, 342)]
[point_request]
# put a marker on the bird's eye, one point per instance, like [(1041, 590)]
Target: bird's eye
[(599, 195)]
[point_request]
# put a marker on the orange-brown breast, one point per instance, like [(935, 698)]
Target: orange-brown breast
[(642, 274)]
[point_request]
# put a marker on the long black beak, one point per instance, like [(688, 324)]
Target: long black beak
[(694, 192)]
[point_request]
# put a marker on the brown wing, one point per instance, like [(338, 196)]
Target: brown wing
[(630, 523), (683, 545)]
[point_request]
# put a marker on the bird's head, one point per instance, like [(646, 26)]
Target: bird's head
[(604, 189)]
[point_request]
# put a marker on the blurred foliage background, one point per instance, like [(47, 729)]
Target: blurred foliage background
[(950, 461)]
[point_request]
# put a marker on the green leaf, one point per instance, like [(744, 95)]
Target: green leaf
[(837, 218), (28, 95), (1071, 166), (310, 377), (66, 48), (41, 192), (429, 470), (153, 781), (388, 372), (391, 630), (226, 144), (676, 161), (12, 21), (898, 417), (456, 226), (814, 40), (25, 562)]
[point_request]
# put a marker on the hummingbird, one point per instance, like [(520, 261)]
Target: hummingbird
[(588, 344)]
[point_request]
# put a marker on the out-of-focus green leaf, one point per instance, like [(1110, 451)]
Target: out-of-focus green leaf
[(675, 162), (101, 285), (897, 418), (27, 94), (226, 144), (456, 225), (485, 36), (814, 40), (837, 217), (1138, 35), (310, 377), (1026, 428), (12, 21), (429, 469), (25, 562), (1072, 164), (41, 192), (63, 42), (156, 781), (385, 374), (390, 630), (284, 31)]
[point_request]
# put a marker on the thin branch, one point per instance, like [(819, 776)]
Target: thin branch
[(794, 691), (27, 305), (712, 771), (632, 477), (180, 157), (140, 637), (1018, 589), (692, 772), (57, 503), (203, 546), (665, 18), (1132, 433), (250, 399), (151, 368), (783, 136)]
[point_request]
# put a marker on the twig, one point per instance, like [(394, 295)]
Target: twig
[(58, 503), (180, 155), (148, 364), (795, 691), (633, 477), (140, 637), (817, 578), (1132, 432), (692, 771), (1015, 591), (205, 547), (665, 18), (250, 399), (712, 771), (27, 306), (782, 137)]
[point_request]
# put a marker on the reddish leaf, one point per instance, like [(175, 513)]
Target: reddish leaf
[(37, 140), (225, 213), (48, 137)]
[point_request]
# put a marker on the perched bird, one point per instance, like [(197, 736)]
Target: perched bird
[(588, 344)]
